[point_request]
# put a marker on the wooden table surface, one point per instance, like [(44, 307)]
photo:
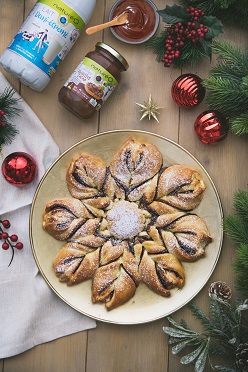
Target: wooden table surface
[(110, 347)]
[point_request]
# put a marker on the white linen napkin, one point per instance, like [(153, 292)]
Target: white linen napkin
[(30, 312)]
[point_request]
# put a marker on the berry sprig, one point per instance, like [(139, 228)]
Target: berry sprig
[(2, 123), (187, 36), (176, 35), (9, 240)]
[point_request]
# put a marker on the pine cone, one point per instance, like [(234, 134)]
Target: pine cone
[(220, 290), (242, 357)]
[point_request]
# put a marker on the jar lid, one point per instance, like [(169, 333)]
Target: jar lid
[(117, 55)]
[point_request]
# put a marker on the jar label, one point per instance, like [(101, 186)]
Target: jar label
[(48, 34), (91, 82)]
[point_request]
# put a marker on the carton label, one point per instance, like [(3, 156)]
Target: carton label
[(47, 35)]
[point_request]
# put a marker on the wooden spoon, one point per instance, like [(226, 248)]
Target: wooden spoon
[(119, 20)]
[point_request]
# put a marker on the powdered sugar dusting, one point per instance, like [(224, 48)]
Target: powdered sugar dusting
[(125, 220)]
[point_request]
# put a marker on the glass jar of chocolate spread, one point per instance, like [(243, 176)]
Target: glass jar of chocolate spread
[(92, 82)]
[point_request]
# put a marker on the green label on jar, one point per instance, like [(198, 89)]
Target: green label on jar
[(91, 82), (65, 14)]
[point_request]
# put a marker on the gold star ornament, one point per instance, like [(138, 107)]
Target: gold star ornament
[(149, 109)]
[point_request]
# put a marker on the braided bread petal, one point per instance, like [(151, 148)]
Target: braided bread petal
[(74, 264), (161, 272), (63, 217), (186, 236), (135, 163), (115, 283), (181, 187), (85, 176)]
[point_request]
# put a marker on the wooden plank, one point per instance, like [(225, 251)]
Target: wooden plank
[(139, 348), (63, 355), (9, 26)]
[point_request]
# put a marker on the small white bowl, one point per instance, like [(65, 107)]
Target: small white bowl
[(139, 41)]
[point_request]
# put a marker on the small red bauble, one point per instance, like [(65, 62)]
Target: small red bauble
[(211, 127), (187, 90), (19, 168)]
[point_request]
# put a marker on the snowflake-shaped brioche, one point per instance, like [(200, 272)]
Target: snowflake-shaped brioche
[(128, 223)]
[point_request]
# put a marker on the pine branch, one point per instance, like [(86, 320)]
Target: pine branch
[(240, 203), (8, 103), (239, 125), (9, 108), (226, 71), (7, 134), (205, 321), (225, 95), (227, 85), (236, 229), (240, 266)]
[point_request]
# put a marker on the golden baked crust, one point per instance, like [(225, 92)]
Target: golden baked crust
[(181, 187), (75, 263), (184, 235), (135, 163), (127, 223)]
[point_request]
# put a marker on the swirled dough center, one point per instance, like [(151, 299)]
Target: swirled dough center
[(125, 220)]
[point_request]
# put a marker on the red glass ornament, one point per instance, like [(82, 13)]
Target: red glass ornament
[(19, 168), (187, 90), (211, 127)]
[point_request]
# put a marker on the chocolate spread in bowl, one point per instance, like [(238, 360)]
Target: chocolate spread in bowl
[(141, 21)]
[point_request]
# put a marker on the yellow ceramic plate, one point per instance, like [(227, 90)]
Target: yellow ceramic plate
[(145, 306)]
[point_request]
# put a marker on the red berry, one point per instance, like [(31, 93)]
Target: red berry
[(19, 245), (5, 235), (6, 223), (14, 238), (5, 246)]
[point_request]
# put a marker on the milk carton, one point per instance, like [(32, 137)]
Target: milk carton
[(44, 40)]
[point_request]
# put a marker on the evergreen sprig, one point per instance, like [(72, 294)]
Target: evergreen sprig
[(236, 227), (233, 12), (227, 85), (8, 104), (223, 331), (191, 52)]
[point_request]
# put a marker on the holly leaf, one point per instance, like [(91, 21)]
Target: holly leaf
[(206, 46), (173, 14), (214, 26)]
